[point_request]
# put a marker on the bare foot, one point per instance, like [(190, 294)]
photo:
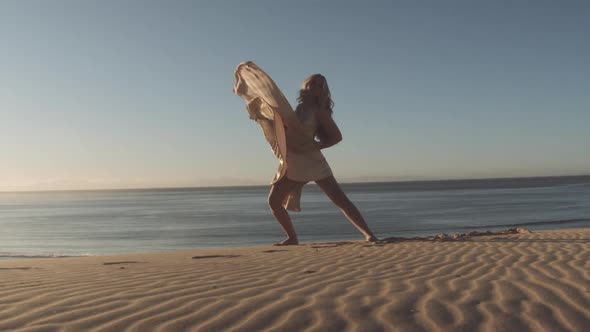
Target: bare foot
[(287, 242), (371, 238)]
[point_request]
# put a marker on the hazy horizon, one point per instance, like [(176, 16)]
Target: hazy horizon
[(252, 184), (138, 94)]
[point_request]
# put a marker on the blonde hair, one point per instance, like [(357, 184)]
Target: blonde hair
[(324, 100)]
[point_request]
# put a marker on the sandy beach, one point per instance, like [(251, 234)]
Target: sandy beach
[(517, 282)]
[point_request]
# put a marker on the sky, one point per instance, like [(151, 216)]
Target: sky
[(135, 94)]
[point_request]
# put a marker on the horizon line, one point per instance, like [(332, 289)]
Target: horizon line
[(310, 182)]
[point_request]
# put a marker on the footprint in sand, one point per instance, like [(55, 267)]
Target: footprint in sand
[(216, 256), (122, 262)]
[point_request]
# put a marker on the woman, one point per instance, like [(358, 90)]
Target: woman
[(292, 136)]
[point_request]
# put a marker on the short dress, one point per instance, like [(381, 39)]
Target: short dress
[(299, 156), (305, 161)]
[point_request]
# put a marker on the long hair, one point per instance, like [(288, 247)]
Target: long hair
[(324, 100)]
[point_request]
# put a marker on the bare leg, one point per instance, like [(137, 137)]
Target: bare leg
[(332, 189), (278, 192)]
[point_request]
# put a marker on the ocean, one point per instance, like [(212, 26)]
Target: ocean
[(105, 222)]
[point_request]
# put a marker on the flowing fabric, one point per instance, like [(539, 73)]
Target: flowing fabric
[(268, 107)]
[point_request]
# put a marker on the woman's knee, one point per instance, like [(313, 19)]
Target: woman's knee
[(274, 202), (279, 192)]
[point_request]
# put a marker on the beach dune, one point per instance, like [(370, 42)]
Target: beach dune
[(516, 282)]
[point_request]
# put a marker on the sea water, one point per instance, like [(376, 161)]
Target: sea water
[(75, 223)]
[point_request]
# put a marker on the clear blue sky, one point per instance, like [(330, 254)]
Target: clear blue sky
[(115, 94)]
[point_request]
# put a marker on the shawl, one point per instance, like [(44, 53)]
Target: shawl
[(269, 108)]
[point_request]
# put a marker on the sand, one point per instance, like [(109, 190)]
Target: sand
[(515, 282)]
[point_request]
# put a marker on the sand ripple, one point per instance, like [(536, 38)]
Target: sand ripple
[(510, 282)]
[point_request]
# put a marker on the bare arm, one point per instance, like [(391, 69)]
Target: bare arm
[(331, 133)]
